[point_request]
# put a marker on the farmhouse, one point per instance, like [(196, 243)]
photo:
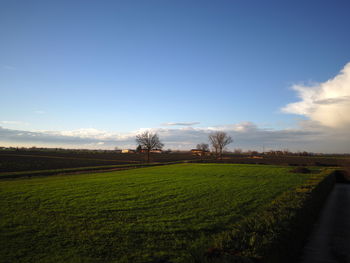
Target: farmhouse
[(156, 151), (199, 152), (151, 151), (128, 151)]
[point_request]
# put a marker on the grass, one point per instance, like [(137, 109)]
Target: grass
[(138, 215), (278, 232), (59, 171), (69, 170), (87, 169)]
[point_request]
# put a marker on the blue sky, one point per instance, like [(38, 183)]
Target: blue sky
[(122, 66)]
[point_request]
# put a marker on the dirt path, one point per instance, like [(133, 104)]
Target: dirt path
[(330, 238)]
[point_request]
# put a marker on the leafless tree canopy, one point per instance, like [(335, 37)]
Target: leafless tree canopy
[(203, 146), (149, 141), (238, 151), (219, 140)]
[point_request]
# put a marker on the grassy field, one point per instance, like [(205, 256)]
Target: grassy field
[(139, 215)]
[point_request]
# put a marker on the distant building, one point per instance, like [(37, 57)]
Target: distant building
[(199, 152), (128, 151), (256, 157), (156, 151), (151, 151)]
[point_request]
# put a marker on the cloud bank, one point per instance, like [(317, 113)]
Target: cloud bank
[(326, 103), (246, 136)]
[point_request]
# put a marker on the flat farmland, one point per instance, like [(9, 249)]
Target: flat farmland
[(141, 215), (25, 160), (16, 161)]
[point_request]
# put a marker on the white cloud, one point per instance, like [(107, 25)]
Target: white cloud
[(327, 103), (237, 127), (84, 133), (180, 123), (88, 133), (246, 135), (327, 106)]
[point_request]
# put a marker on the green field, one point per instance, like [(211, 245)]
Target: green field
[(138, 215)]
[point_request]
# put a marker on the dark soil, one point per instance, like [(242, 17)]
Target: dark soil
[(302, 170)]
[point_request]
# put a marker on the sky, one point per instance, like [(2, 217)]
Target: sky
[(93, 74)]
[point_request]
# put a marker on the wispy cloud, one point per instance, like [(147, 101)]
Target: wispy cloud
[(13, 123), (39, 112), (180, 123), (327, 103)]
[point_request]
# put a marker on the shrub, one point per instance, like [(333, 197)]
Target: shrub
[(343, 176)]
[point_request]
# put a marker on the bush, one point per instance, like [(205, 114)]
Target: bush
[(343, 176)]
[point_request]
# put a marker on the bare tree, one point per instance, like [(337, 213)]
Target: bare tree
[(219, 140), (238, 151), (149, 141), (203, 147)]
